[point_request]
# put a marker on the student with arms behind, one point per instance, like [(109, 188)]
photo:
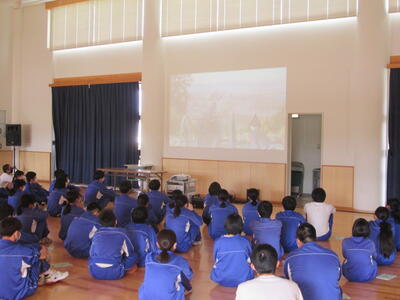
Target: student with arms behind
[(124, 204), (249, 212), (34, 188), (210, 199), (98, 192), (15, 196), (73, 209), (264, 261), (157, 199), (57, 199)]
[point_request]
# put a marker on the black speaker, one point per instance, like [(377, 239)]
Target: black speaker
[(13, 134)]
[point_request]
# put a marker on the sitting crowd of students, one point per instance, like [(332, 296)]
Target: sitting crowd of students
[(149, 232)]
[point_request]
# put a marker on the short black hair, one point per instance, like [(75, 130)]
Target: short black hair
[(59, 172), (9, 226), (93, 206), (139, 215), (318, 195), (265, 209), (233, 224), (18, 173), (6, 167), (107, 218), (361, 228), (214, 188), (289, 203), (306, 233), (175, 194), (30, 176), (154, 185), (253, 194), (382, 213), (264, 259), (61, 182), (98, 174), (142, 199), (125, 186), (6, 210), (72, 196), (18, 183)]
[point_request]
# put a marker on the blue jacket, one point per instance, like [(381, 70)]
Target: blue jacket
[(186, 227), (55, 201), (209, 201), (359, 264), (144, 240), (34, 221), (123, 207), (70, 186), (80, 234), (20, 270), (290, 222), (66, 220), (218, 216), (268, 231), (250, 214), (36, 190), (316, 270), (397, 232), (158, 201), (374, 236), (98, 192), (232, 261), (165, 281), (15, 200)]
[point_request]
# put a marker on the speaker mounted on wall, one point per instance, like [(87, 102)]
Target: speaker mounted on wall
[(13, 134)]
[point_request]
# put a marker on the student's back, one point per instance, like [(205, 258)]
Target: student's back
[(15, 199), (381, 258), (34, 221), (158, 201), (210, 200), (249, 211), (123, 207), (66, 220), (98, 192), (143, 238), (55, 201)]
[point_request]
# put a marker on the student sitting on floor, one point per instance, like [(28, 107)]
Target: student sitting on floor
[(34, 188), (143, 201), (81, 231), (185, 222), (142, 235), (314, 268), (266, 230), (210, 199), (15, 196), (112, 254), (167, 275), (33, 218), (249, 211), (394, 206), (320, 214), (232, 255), (382, 234), (124, 204), (6, 185), (219, 212), (359, 253), (290, 222), (158, 200), (264, 261), (57, 199), (73, 209), (19, 175), (22, 265), (61, 173), (98, 192)]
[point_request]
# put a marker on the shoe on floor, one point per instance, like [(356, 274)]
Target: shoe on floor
[(53, 276)]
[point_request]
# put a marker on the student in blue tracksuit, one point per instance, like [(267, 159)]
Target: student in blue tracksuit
[(185, 222), (73, 209), (290, 222), (232, 255), (314, 268), (394, 207), (61, 173), (219, 212), (359, 253), (112, 254), (98, 192), (15, 196), (158, 200), (143, 201), (124, 204), (81, 231), (383, 234), (56, 199), (249, 212), (210, 199), (32, 218), (142, 235), (167, 275), (266, 230), (34, 188)]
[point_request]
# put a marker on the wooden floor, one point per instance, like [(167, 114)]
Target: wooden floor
[(81, 286)]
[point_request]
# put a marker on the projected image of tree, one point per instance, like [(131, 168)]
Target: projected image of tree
[(233, 109)]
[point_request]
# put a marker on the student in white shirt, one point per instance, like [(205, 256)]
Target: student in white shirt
[(320, 214), (6, 178), (264, 260)]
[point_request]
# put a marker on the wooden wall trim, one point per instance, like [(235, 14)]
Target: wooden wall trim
[(57, 3), (101, 79), (394, 62)]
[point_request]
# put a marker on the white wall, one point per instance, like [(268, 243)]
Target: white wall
[(394, 33)]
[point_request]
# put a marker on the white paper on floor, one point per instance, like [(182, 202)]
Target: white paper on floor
[(386, 276), (345, 296), (62, 265)]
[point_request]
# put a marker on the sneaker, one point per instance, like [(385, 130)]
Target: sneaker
[(45, 241), (53, 276)]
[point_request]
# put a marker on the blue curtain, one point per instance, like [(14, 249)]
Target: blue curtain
[(95, 127), (393, 165)]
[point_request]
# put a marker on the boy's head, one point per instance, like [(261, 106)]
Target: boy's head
[(265, 209), (99, 175), (7, 168), (382, 213), (31, 176), (6, 211), (233, 224), (176, 194), (318, 195), (139, 215), (154, 185), (214, 189), (72, 196), (10, 229), (253, 194), (19, 175), (94, 208), (305, 233), (107, 218), (59, 172), (125, 187), (61, 182), (264, 259), (223, 195), (289, 203), (143, 200), (19, 184), (361, 228)]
